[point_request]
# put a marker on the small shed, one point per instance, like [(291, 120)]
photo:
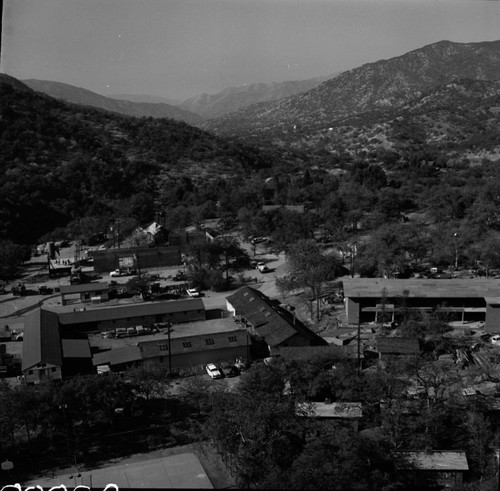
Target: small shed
[(88, 292), (350, 412), (434, 468)]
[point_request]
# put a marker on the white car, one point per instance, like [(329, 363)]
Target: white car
[(116, 273), (213, 371), (193, 292)]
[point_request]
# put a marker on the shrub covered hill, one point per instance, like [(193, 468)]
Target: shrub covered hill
[(61, 162), (434, 95)]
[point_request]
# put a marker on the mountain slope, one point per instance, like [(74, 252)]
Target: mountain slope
[(233, 98), (458, 119), (380, 85), (152, 99), (61, 162), (77, 95)]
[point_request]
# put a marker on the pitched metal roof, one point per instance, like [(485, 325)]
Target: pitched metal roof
[(76, 348), (269, 320), (398, 345), (436, 460), (335, 410), (86, 287), (117, 356), (98, 314), (416, 288), (41, 343)]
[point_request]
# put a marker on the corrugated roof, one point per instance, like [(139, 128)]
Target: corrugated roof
[(86, 287), (416, 288), (437, 460), (76, 348), (398, 345), (117, 356), (337, 410), (41, 343), (269, 320), (98, 314)]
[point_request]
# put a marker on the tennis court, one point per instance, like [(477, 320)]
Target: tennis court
[(175, 471)]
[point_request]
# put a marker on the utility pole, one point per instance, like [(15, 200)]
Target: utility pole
[(1, 30), (359, 347), (169, 327)]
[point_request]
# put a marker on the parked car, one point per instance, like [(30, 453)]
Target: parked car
[(116, 273), (45, 290), (213, 371), (262, 267), (16, 336), (229, 370), (193, 292)]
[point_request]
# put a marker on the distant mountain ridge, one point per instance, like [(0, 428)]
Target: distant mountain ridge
[(77, 95), (385, 84), (234, 98), (152, 99)]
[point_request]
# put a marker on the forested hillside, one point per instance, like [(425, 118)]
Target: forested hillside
[(353, 107), (62, 162)]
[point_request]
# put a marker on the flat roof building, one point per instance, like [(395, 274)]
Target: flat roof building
[(87, 292), (103, 318), (188, 348), (368, 299)]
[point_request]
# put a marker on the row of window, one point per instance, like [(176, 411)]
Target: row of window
[(42, 371), (208, 341)]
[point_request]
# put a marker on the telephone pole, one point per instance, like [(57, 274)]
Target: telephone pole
[(1, 31)]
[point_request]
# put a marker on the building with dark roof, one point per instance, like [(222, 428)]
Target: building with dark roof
[(266, 320), (188, 348), (48, 357), (436, 469), (42, 352), (87, 292), (141, 257), (105, 318), (55, 345), (467, 300)]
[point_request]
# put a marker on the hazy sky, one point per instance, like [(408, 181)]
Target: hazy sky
[(181, 48)]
